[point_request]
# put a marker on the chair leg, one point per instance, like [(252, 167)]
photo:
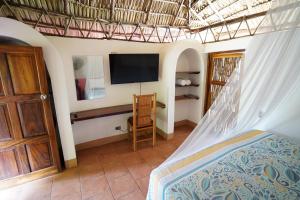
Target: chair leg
[(154, 136), (128, 130), (134, 139)]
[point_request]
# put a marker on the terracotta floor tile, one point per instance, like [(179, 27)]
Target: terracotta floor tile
[(146, 153), (90, 171), (72, 196), (107, 195), (87, 159), (154, 161), (139, 170), (109, 172), (109, 158), (136, 195), (40, 189), (114, 170), (122, 186), (92, 186), (65, 184), (131, 158), (143, 184), (106, 149)]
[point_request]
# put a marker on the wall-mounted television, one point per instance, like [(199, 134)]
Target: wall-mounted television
[(133, 68)]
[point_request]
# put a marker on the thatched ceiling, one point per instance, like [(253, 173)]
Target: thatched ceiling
[(140, 20)]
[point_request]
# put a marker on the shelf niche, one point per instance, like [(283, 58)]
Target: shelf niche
[(186, 97), (187, 103)]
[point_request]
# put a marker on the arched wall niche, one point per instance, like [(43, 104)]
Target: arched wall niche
[(22, 32), (171, 54), (188, 60)]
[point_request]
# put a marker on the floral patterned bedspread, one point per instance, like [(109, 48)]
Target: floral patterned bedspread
[(265, 166)]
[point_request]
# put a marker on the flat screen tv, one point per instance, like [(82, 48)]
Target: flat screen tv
[(133, 68)]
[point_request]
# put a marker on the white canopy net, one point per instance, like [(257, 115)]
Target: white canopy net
[(256, 87)]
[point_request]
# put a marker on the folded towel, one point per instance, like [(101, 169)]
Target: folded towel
[(180, 81), (188, 82)]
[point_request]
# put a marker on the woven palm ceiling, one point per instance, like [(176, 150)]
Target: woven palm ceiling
[(140, 20)]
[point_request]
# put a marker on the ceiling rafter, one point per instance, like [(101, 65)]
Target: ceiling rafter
[(136, 20), (125, 34), (39, 19), (148, 11), (199, 17), (177, 12), (112, 7), (231, 21), (212, 6), (67, 26), (91, 27), (13, 11)]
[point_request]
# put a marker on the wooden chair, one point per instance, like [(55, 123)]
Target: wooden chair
[(143, 119)]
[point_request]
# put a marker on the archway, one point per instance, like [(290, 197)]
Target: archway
[(17, 30), (170, 56), (187, 87)]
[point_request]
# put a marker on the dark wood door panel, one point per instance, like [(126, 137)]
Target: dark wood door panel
[(1, 88), (6, 87), (26, 123), (39, 155), (5, 124), (8, 164), (23, 72), (31, 114)]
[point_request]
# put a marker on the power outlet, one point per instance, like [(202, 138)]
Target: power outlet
[(118, 128)]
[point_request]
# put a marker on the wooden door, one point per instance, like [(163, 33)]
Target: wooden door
[(220, 67), (27, 134)]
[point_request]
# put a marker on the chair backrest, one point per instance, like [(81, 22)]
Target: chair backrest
[(144, 110)]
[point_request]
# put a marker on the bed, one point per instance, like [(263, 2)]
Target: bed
[(255, 165)]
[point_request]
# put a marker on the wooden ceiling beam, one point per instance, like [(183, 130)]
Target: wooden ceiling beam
[(57, 14), (151, 34), (250, 6), (228, 5), (148, 11), (133, 32), (91, 27), (157, 34), (231, 21), (189, 12), (169, 2), (199, 18), (1, 6), (66, 7), (67, 26), (104, 31), (142, 33), (177, 12), (52, 22), (124, 31), (112, 7), (13, 11), (52, 13), (39, 19), (212, 6)]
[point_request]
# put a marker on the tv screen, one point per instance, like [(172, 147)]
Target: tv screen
[(133, 68)]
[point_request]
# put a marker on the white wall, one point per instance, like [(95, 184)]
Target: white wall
[(115, 94), (235, 44)]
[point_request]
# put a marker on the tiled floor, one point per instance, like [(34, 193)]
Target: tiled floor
[(110, 172)]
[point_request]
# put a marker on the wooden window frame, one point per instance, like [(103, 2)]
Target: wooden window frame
[(212, 55)]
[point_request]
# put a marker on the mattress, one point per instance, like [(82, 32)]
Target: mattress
[(255, 165)]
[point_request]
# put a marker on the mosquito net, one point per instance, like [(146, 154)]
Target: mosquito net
[(269, 75)]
